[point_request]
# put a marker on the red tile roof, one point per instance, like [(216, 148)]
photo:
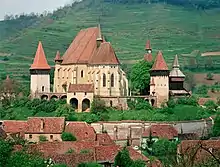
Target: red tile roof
[(45, 125), (11, 126), (49, 148), (160, 63), (58, 57), (40, 61), (148, 46), (104, 139), (108, 153), (81, 88), (81, 130), (148, 57), (202, 101), (82, 47), (161, 131), (199, 147), (104, 55)]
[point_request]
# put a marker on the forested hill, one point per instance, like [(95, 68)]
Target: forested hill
[(174, 29)]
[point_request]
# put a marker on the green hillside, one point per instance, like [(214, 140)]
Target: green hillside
[(172, 29)]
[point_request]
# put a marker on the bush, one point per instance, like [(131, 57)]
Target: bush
[(42, 138), (98, 106), (211, 105), (209, 76), (85, 151), (90, 164), (68, 137)]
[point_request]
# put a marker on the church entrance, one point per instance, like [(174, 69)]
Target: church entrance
[(74, 103), (85, 104)]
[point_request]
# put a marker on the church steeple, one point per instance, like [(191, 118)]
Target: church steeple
[(175, 72), (148, 55)]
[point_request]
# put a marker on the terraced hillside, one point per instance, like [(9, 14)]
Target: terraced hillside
[(172, 29)]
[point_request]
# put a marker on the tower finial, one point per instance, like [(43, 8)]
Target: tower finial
[(99, 37), (176, 62), (148, 46)]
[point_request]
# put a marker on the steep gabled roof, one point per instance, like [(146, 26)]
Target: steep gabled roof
[(160, 63), (176, 72), (148, 46), (105, 55), (40, 61), (82, 47)]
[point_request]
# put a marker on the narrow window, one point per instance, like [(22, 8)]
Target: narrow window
[(85, 93), (112, 80), (110, 103), (42, 88), (30, 136), (82, 74), (104, 80), (51, 137), (74, 93)]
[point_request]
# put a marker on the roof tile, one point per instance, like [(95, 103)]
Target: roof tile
[(11, 126)]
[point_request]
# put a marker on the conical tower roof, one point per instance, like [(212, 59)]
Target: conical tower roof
[(148, 46), (160, 64), (175, 72), (40, 61)]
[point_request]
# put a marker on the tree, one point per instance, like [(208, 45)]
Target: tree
[(216, 127), (66, 136), (211, 105), (140, 76), (98, 106), (123, 159), (5, 152), (90, 164), (209, 76), (66, 111)]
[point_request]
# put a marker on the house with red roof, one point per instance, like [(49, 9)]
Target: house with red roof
[(88, 68), (198, 151), (49, 128), (159, 131)]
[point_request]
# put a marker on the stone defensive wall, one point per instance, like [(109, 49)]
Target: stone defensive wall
[(131, 131)]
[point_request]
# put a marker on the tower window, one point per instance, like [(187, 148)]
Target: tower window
[(42, 88), (51, 137), (85, 93), (111, 103), (30, 136), (112, 80), (104, 80), (82, 74)]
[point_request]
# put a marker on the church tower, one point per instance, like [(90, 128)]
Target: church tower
[(58, 60), (40, 73), (177, 80), (159, 86), (148, 55)]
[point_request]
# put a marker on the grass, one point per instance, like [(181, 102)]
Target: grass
[(172, 29)]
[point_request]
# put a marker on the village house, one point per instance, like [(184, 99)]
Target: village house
[(49, 128), (158, 131), (198, 151)]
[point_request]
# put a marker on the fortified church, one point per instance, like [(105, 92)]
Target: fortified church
[(90, 68)]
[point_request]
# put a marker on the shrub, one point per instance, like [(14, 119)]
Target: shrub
[(68, 137), (85, 151), (211, 105), (98, 106), (90, 164), (42, 138), (209, 76), (70, 151)]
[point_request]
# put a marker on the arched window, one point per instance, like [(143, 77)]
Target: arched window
[(104, 80), (82, 74), (42, 88), (112, 80)]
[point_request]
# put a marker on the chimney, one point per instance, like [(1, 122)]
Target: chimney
[(41, 125)]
